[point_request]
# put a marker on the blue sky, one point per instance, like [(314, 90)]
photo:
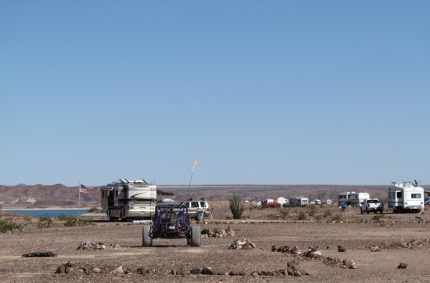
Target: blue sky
[(259, 92)]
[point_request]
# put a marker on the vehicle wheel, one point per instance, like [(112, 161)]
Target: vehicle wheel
[(146, 236), (195, 236), (201, 216)]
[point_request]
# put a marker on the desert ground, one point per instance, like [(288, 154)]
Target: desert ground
[(375, 246)]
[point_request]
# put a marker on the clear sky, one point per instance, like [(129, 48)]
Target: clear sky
[(259, 92)]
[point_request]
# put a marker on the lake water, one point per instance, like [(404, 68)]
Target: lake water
[(48, 212)]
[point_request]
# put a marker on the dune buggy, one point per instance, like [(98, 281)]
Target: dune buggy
[(171, 221)]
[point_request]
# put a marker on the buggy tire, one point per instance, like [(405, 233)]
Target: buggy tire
[(146, 237), (196, 236)]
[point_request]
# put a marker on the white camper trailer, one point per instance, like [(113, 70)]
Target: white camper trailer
[(352, 198), (406, 197), (299, 201), (127, 199)]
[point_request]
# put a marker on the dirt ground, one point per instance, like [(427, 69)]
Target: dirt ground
[(401, 238)]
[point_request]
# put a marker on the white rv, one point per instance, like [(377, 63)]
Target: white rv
[(127, 199), (352, 198), (406, 197), (299, 201)]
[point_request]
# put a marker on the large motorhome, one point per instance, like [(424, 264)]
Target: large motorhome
[(406, 197), (352, 198), (126, 199)]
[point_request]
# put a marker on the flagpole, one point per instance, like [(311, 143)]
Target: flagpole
[(79, 198)]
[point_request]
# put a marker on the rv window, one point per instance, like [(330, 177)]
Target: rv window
[(415, 195), (202, 204), (194, 204), (399, 195)]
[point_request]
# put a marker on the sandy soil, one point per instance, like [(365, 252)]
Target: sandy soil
[(401, 238)]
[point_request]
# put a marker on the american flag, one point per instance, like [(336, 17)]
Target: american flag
[(83, 190)]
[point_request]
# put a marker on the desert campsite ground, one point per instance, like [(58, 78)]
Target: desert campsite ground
[(375, 246)]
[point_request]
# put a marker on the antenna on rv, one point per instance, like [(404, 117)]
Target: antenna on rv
[(415, 183)]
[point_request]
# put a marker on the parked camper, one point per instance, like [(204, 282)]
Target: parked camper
[(299, 201), (406, 197), (352, 198), (282, 200), (128, 199)]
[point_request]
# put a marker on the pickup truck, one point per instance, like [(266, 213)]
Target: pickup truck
[(371, 205)]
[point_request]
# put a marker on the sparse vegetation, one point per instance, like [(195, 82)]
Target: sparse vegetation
[(45, 222), (312, 210), (236, 205), (378, 218), (337, 218), (285, 213), (74, 221), (63, 217), (8, 225), (273, 216), (302, 216), (418, 219), (328, 213)]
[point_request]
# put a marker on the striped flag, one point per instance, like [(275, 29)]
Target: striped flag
[(83, 190)]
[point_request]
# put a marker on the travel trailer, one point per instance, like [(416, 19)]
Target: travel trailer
[(299, 201), (406, 197), (352, 198), (128, 199)]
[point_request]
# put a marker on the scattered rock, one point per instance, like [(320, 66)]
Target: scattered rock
[(141, 270), (242, 244), (341, 249), (207, 270), (39, 254), (118, 270), (349, 263), (312, 252), (287, 249), (402, 265), (88, 245), (218, 232), (293, 263), (375, 249), (65, 268), (196, 271)]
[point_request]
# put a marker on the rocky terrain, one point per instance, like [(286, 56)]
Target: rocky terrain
[(318, 244)]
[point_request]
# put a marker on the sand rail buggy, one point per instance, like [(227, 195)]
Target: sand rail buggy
[(171, 221)]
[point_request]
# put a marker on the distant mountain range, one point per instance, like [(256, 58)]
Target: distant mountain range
[(60, 195)]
